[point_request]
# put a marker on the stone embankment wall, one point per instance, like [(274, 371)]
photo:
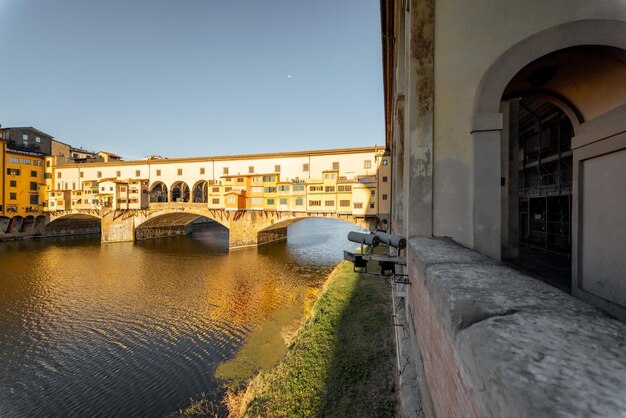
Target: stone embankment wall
[(270, 235), (24, 228), (20, 228), (485, 340), (71, 227)]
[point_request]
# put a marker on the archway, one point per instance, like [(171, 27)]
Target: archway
[(200, 192), (158, 193), (17, 222), (280, 230), (40, 221), (549, 109), (28, 224), (537, 188), (5, 224), (179, 192), (74, 224), (179, 223), (487, 122)]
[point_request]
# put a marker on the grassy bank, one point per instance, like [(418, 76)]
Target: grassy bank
[(339, 364)]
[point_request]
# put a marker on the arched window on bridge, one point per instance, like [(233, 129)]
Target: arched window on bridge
[(200, 192), (158, 193), (180, 192)]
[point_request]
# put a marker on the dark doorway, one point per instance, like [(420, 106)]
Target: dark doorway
[(540, 152)]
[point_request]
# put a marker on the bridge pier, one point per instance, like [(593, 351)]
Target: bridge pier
[(117, 228), (243, 233)]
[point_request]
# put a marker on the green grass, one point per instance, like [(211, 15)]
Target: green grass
[(341, 363)]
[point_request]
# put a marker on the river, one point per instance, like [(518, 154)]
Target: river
[(137, 329)]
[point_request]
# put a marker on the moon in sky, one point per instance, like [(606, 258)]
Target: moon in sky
[(288, 75)]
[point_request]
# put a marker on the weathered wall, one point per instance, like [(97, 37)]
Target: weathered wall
[(20, 228), (418, 118), (271, 235), (495, 342), (160, 232), (117, 228)]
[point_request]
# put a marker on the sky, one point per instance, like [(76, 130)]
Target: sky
[(183, 78)]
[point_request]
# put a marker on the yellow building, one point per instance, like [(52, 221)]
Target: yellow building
[(3, 145), (59, 200), (235, 200), (23, 177), (344, 196)]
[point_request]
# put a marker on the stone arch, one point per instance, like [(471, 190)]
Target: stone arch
[(487, 122), (278, 230), (5, 224), (74, 224), (167, 223), (582, 32), (16, 225), (158, 192), (40, 220), (179, 192), (74, 217), (562, 103), (29, 223), (200, 192)]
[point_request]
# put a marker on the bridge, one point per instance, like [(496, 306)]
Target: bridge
[(256, 197), (246, 227)]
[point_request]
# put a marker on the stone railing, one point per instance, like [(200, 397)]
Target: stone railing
[(490, 341)]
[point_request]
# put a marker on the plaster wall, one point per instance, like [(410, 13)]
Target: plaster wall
[(469, 37)]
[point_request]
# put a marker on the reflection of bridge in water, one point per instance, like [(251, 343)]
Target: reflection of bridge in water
[(245, 227)]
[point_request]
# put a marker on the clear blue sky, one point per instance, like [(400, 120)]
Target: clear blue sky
[(194, 77)]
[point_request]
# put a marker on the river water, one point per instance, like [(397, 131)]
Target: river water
[(137, 329)]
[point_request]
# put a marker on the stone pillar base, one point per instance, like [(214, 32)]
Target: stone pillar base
[(117, 229)]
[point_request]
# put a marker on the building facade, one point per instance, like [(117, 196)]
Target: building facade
[(354, 180), (22, 183), (506, 125)]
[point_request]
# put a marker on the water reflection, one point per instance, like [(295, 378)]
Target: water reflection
[(136, 329)]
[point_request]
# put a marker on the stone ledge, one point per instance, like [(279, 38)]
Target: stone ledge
[(525, 349)]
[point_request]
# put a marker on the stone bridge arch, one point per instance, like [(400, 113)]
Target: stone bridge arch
[(169, 222), (74, 223), (245, 228), (256, 228)]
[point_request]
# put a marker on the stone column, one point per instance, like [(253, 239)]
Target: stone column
[(397, 150), (418, 146), (510, 186), (486, 132)]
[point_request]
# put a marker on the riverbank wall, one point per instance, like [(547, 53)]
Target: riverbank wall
[(12, 229), (21, 228), (480, 339)]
